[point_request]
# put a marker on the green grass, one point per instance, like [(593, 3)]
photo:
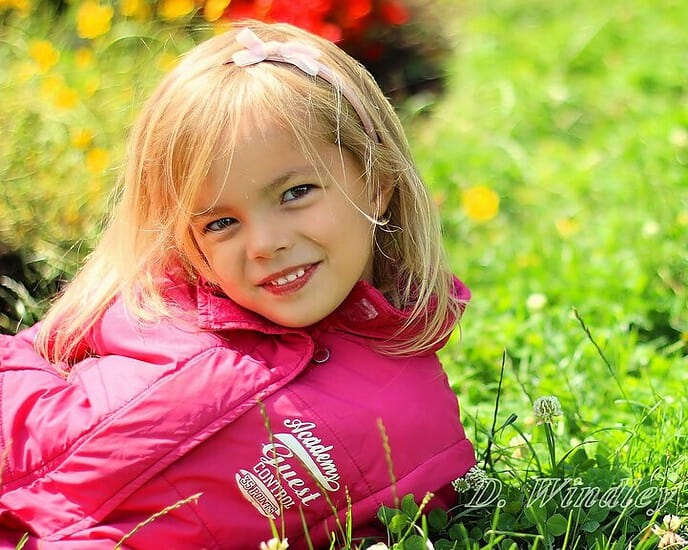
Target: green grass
[(576, 114)]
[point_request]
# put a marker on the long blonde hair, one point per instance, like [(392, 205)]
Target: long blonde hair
[(185, 125)]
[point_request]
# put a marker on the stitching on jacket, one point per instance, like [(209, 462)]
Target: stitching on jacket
[(164, 478)]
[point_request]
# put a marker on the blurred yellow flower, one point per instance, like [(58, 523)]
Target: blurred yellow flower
[(167, 61), (480, 203), (174, 9), (567, 227), (682, 218), (44, 54), (138, 9), (83, 58), (221, 26), (93, 19), (23, 7), (213, 9), (81, 138), (65, 97), (97, 160), (70, 215)]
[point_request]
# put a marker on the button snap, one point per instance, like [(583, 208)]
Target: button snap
[(320, 355)]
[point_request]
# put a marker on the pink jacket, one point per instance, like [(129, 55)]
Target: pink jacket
[(262, 421)]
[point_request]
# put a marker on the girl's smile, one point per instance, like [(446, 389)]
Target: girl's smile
[(282, 236)]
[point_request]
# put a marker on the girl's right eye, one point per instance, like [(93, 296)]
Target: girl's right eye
[(219, 225)]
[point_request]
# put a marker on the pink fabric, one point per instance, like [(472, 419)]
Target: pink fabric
[(165, 411)]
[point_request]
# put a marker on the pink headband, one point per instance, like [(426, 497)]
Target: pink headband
[(305, 58)]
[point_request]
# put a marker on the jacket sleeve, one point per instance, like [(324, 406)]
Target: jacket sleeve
[(75, 448)]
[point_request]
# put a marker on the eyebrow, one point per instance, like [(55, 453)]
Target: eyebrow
[(271, 186)]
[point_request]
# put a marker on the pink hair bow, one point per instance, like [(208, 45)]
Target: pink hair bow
[(305, 58), (301, 55)]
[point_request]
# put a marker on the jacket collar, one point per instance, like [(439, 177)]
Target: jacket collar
[(365, 312)]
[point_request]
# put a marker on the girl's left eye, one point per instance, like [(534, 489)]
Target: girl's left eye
[(219, 225), (297, 192)]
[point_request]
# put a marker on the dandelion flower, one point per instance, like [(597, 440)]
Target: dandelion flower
[(97, 160), (175, 9), (480, 203), (65, 97), (81, 138), (93, 19), (44, 54), (213, 9), (274, 544), (138, 9), (546, 408)]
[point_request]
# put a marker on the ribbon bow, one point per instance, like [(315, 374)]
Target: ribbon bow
[(301, 55)]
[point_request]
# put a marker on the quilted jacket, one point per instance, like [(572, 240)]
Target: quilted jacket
[(225, 422)]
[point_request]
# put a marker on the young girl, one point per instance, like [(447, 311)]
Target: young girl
[(253, 340)]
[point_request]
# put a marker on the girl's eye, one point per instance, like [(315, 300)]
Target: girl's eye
[(296, 192), (219, 225)]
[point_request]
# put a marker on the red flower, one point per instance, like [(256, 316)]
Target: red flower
[(394, 13)]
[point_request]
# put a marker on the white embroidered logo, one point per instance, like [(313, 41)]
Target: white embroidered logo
[(274, 484)]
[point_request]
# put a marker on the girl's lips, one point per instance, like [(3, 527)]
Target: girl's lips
[(284, 284)]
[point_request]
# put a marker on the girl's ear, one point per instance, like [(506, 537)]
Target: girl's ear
[(383, 197)]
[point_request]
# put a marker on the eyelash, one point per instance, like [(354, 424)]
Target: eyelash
[(307, 187), (219, 225), (224, 223)]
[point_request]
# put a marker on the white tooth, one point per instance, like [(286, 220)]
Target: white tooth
[(292, 277), (300, 273), (282, 281)]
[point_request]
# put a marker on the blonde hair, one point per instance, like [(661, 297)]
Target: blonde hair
[(189, 121)]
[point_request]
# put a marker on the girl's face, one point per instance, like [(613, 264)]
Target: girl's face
[(281, 238)]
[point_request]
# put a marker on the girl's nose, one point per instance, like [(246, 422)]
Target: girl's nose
[(266, 238)]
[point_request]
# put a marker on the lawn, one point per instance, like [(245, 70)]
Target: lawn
[(558, 154)]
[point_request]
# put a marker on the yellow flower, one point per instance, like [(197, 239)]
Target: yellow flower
[(682, 218), (81, 138), (480, 203), (97, 160), (44, 54), (167, 61), (22, 6), (65, 97), (135, 8), (83, 58), (567, 227), (175, 9), (93, 19), (213, 9)]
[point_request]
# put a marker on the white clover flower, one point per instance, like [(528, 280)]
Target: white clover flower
[(460, 485), (476, 478), (536, 301), (274, 544), (546, 408), (669, 538), (378, 546)]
